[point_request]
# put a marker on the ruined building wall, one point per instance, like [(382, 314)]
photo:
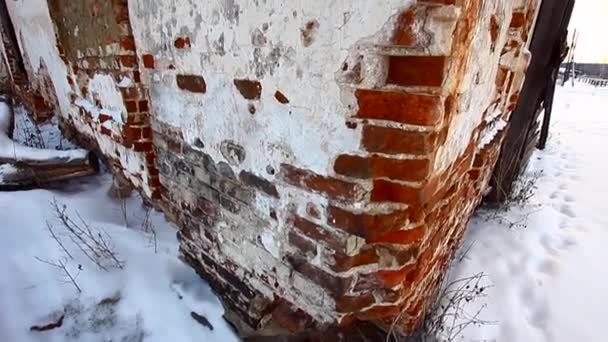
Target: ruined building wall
[(321, 159), (347, 142), (81, 57)]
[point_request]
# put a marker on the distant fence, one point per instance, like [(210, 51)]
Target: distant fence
[(598, 82), (594, 70)]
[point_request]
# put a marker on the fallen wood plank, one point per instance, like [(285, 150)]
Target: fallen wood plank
[(23, 167)]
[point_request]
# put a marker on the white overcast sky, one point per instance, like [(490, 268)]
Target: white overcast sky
[(590, 18)]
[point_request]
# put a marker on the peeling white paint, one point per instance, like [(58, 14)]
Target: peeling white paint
[(478, 89), (271, 245), (103, 88), (37, 41), (125, 82), (310, 131), (489, 134)]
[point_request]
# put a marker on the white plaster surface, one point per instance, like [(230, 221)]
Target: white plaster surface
[(229, 41)]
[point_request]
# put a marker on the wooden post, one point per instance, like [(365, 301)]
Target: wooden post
[(552, 23)]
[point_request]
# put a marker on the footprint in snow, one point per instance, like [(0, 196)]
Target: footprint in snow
[(547, 242), (569, 241), (549, 267), (567, 210)]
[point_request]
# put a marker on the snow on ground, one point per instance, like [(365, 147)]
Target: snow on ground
[(157, 291), (547, 259), (152, 298)]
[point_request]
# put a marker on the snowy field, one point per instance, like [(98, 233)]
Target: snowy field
[(544, 262)]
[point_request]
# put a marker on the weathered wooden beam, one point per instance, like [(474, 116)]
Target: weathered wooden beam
[(23, 167), (551, 24)]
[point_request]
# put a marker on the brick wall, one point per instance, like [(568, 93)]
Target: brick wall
[(96, 43), (321, 159), (322, 162), (81, 60)]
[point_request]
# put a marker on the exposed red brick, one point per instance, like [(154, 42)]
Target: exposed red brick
[(366, 225), (105, 131), (143, 106), (475, 174), (397, 141), (259, 183), (402, 237), (132, 133), (150, 157), (281, 98), (192, 83), (303, 244), (128, 61), (404, 33), (136, 77), (290, 318), (391, 279), (154, 181), (518, 20), (138, 119), (387, 191), (332, 187), (416, 70), (104, 117), (148, 61), (249, 89), (335, 285), (122, 13), (415, 109), (378, 167), (182, 42), (344, 262), (386, 279), (127, 43), (131, 106), (317, 233), (494, 29), (142, 146), (146, 133), (354, 303), (129, 93)]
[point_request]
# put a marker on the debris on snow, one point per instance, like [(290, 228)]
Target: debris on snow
[(201, 320), (49, 326)]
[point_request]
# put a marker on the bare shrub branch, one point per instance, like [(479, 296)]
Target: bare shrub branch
[(29, 130), (61, 265), (148, 227), (447, 317), (95, 244), (123, 210), (58, 240)]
